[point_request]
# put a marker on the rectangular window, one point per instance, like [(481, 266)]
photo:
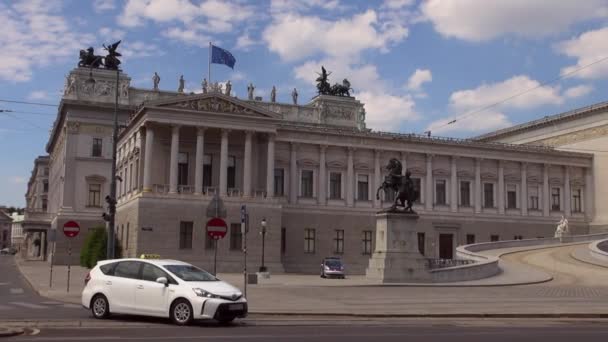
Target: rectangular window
[(339, 242), (494, 238), (283, 240), (185, 235), (45, 186), (207, 174), (306, 190), (231, 172), (279, 182), (555, 199), (309, 240), (465, 193), (182, 168), (440, 192), (511, 196), (236, 238), (363, 187), (46, 171), (366, 239), (421, 243), (470, 239), (417, 183), (576, 201), (132, 180), (94, 195), (97, 145), (533, 203), (488, 195), (44, 204), (335, 185)]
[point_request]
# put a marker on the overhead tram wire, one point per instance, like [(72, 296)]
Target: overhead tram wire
[(21, 119), (521, 93), (29, 103)]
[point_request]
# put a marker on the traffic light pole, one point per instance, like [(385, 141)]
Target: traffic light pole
[(110, 254)]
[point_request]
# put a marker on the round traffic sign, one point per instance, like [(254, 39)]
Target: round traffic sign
[(216, 228), (71, 229)]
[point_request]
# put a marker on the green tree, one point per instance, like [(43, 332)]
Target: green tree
[(95, 246)]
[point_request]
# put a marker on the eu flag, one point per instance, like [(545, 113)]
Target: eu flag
[(221, 56)]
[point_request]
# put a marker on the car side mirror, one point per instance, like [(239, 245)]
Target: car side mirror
[(162, 280)]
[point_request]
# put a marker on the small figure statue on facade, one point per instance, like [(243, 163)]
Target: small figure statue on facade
[(156, 81), (361, 119), (180, 88), (228, 88), (205, 85), (562, 228), (70, 85), (273, 94), (294, 96), (250, 89)]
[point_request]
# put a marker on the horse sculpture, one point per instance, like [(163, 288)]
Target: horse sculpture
[(89, 59), (403, 186), (341, 89)]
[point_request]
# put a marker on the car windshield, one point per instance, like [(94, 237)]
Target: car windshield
[(333, 263), (190, 273)]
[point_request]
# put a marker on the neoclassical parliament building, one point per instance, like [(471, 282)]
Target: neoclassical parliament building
[(310, 170)]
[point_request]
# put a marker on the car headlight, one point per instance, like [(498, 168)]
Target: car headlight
[(203, 293), (327, 268)]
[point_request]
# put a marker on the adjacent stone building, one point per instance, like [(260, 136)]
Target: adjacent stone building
[(37, 220), (310, 170)]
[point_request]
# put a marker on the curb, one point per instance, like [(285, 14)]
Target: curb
[(9, 332), (455, 315)]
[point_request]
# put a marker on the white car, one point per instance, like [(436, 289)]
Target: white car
[(162, 288)]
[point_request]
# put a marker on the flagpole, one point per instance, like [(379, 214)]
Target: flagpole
[(209, 65)]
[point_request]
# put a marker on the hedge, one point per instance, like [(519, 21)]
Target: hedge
[(94, 247)]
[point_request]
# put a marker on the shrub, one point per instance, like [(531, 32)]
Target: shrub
[(94, 247)]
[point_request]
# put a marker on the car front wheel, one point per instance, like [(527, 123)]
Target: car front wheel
[(100, 307), (181, 312)]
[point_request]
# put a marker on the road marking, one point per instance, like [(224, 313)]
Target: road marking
[(29, 305), (17, 291), (51, 303)]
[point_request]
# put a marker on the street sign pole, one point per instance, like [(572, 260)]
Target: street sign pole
[(215, 259), (69, 261), (244, 239)]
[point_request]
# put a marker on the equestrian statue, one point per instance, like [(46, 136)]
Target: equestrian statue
[(403, 186)]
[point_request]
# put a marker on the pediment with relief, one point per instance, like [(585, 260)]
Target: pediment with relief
[(214, 102)]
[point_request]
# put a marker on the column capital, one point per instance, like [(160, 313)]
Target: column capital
[(455, 158), (225, 131), (294, 145), (323, 147), (351, 149), (271, 135), (377, 153), (200, 130), (249, 133), (175, 128), (501, 163), (524, 165), (430, 155)]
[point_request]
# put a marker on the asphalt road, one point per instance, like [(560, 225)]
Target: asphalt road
[(436, 333), (19, 301)]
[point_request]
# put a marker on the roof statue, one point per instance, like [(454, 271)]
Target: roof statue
[(324, 88), (156, 80), (110, 61)]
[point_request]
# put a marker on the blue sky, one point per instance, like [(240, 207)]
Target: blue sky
[(421, 64)]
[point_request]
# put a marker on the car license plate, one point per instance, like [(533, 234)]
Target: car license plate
[(235, 307)]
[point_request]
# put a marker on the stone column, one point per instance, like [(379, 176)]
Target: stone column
[(478, 185), (428, 200), (546, 195), (567, 192), (321, 192), (200, 154), (377, 177), (148, 159), (350, 178), (501, 187), (404, 162), (588, 204), (247, 165), (174, 158), (224, 163), (454, 187), (270, 167), (523, 202), (293, 175)]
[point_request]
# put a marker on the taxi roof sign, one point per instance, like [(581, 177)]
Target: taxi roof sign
[(149, 256)]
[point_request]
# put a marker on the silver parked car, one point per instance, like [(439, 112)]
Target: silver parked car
[(332, 267)]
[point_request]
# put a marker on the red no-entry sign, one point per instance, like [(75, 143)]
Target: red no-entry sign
[(71, 229), (216, 228)]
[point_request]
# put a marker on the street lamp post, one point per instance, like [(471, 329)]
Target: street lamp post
[(111, 199), (263, 232)]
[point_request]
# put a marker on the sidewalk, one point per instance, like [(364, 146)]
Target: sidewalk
[(287, 294)]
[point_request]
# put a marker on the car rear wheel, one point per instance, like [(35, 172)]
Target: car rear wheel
[(181, 312), (100, 307)]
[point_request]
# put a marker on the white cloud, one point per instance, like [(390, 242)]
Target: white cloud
[(38, 95), (35, 35), (397, 4), (467, 104), (237, 76), (104, 5), (192, 37), (419, 77), (386, 112), (589, 47), (244, 42), (18, 180), (296, 37), (297, 6), (578, 91), (482, 20), (139, 49), (107, 33)]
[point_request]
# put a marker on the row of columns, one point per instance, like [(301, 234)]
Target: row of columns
[(199, 156)]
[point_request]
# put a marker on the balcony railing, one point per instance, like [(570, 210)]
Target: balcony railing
[(234, 192), (185, 189), (161, 188)]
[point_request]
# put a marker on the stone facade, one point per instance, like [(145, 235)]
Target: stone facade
[(37, 220), (310, 170)]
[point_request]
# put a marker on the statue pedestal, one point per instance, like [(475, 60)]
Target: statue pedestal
[(396, 258)]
